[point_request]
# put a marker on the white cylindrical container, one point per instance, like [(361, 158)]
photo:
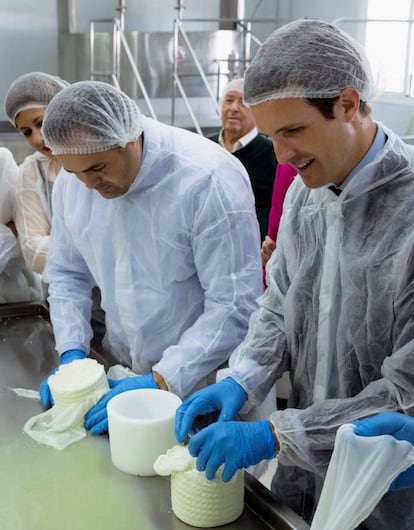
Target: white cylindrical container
[(141, 427)]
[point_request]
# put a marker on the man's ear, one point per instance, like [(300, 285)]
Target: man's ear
[(348, 103)]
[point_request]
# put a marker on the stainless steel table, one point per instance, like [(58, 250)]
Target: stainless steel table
[(79, 488)]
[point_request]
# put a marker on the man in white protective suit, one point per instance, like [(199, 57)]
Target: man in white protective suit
[(338, 310), (163, 221)]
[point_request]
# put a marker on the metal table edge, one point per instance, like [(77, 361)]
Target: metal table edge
[(260, 500)]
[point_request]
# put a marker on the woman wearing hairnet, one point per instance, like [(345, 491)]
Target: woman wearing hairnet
[(25, 104), (338, 311), (164, 222)]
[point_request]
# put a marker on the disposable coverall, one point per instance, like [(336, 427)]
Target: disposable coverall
[(338, 314), (37, 173), (177, 259), (17, 283)]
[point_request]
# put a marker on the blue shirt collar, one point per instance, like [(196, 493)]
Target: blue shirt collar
[(377, 145)]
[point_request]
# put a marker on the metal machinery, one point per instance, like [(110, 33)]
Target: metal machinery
[(175, 76)]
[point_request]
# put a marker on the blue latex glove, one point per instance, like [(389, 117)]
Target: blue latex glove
[(400, 427), (96, 419), (66, 357), (237, 444), (227, 396)]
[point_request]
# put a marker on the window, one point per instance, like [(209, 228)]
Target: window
[(388, 43)]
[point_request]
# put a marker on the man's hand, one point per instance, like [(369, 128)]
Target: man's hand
[(235, 444), (227, 396), (44, 390), (96, 419), (401, 427), (268, 246)]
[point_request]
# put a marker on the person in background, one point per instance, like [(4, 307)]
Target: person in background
[(283, 179), (240, 137), (163, 221), (395, 424), (338, 310), (25, 104), (17, 282)]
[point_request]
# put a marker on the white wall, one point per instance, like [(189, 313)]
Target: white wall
[(395, 113), (28, 40)]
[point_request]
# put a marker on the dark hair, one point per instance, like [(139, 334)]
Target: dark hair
[(326, 105)]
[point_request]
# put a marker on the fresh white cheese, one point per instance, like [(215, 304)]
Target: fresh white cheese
[(196, 500), (75, 381)]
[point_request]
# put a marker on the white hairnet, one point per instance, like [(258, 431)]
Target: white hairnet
[(307, 59), (32, 90), (90, 117), (233, 85)]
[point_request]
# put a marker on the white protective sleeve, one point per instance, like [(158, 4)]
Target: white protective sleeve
[(37, 174)]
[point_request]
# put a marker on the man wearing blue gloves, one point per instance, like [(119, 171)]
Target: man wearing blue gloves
[(163, 221), (401, 427), (337, 313)]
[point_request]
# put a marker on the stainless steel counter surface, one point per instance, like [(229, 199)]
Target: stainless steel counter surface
[(79, 488)]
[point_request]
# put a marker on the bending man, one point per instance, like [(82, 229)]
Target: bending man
[(163, 221)]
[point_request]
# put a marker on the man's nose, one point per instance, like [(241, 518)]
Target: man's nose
[(89, 179), (283, 151), (235, 105)]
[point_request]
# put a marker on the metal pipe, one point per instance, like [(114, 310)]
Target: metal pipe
[(188, 106), (65, 16), (229, 9), (199, 68), (116, 49), (92, 48), (122, 8), (115, 82), (408, 78), (246, 31), (174, 71), (340, 20), (231, 19), (136, 72), (180, 8)]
